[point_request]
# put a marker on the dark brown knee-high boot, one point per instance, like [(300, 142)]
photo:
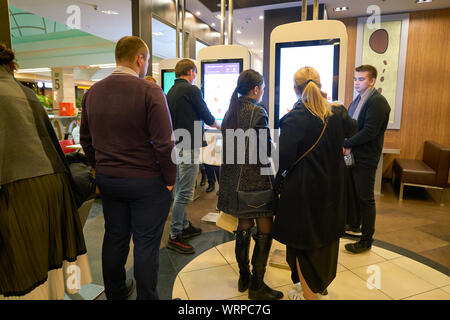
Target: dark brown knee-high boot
[(242, 252), (258, 290)]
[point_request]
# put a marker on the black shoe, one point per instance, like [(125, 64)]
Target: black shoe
[(180, 245), (202, 182), (210, 188), (242, 247), (359, 247), (190, 231)]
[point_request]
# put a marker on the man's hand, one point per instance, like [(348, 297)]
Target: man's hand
[(346, 152), (170, 188)]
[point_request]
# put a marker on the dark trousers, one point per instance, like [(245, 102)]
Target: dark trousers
[(138, 208), (363, 178), (212, 172)]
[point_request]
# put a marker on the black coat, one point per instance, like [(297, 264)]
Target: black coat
[(249, 174), (312, 208), (373, 119), (186, 106)]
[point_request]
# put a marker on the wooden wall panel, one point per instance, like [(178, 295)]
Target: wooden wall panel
[(426, 97)]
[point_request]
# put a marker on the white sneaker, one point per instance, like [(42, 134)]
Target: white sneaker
[(296, 293)]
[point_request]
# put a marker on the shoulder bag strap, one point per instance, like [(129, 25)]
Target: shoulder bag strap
[(306, 153)]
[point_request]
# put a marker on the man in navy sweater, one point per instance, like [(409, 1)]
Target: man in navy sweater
[(126, 133)]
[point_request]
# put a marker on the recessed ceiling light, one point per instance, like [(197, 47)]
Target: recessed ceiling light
[(261, 17), (252, 43), (110, 12), (219, 17), (423, 1), (198, 13), (341, 9), (238, 31), (213, 24)]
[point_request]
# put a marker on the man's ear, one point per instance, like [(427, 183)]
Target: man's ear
[(372, 81)]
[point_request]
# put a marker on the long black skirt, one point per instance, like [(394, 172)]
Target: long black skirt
[(318, 266)]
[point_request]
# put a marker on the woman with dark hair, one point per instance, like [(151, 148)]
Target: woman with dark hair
[(245, 114), (42, 248), (311, 208)]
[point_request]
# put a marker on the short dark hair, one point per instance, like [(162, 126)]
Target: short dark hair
[(183, 67), (7, 57), (128, 47), (373, 73)]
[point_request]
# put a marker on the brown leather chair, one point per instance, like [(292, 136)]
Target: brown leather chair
[(431, 172)]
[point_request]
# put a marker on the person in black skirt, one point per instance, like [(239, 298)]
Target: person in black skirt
[(311, 210), (245, 113)]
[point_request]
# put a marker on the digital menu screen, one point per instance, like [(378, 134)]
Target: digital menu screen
[(218, 81), (322, 55), (167, 80)]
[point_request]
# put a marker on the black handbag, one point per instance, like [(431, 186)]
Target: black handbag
[(281, 178), (254, 201)]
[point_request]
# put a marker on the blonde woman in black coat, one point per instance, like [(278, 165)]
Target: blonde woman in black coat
[(245, 113), (311, 210)]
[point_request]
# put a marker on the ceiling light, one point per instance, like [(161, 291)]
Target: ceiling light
[(261, 17), (198, 13), (213, 24), (252, 43), (157, 34), (423, 1), (238, 32), (110, 12), (341, 9), (34, 70), (219, 17)]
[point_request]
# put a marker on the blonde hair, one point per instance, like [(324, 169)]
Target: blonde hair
[(307, 81)]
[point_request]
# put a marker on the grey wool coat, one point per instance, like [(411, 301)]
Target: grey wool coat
[(245, 176)]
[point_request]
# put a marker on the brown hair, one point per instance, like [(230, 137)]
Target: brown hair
[(129, 47), (370, 69), (150, 78), (247, 80), (183, 67), (8, 58), (307, 81)]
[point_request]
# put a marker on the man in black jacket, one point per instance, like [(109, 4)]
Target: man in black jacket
[(188, 111), (371, 110)]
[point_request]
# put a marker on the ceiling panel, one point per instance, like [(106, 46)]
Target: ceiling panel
[(214, 5)]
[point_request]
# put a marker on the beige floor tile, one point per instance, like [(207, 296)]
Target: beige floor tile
[(446, 289), (388, 255), (348, 286), (274, 277), (436, 294), (208, 259), (395, 281), (422, 271), (341, 268), (350, 260), (211, 284), (178, 290)]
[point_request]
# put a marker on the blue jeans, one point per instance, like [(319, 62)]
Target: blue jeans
[(138, 208), (187, 171)]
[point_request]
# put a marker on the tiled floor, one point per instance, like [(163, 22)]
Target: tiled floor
[(399, 277), (412, 250)]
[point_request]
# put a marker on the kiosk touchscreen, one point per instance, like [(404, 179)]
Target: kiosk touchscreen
[(321, 44), (218, 81), (167, 79), (322, 55)]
